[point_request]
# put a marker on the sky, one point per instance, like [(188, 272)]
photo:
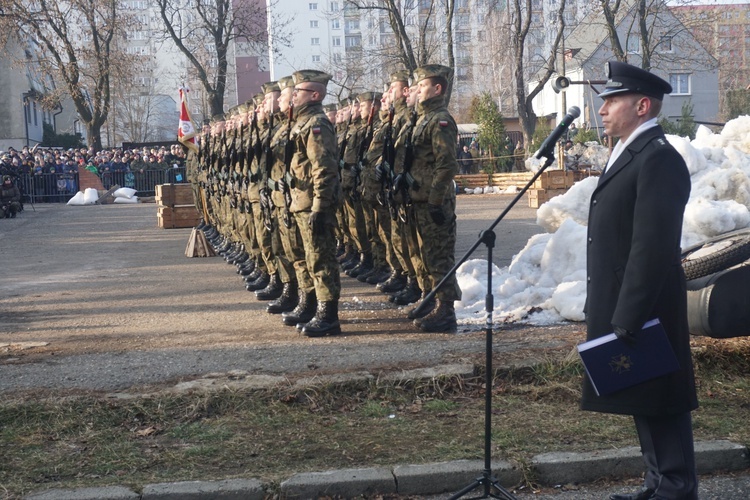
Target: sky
[(545, 282)]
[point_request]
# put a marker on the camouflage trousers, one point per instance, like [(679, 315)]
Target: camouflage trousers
[(320, 255), (377, 246), (355, 220), (263, 236), (437, 247), (290, 256)]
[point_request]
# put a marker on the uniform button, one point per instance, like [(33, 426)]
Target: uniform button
[(590, 240), (588, 279), (594, 202)]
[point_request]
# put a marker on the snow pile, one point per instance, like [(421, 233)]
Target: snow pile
[(545, 282)]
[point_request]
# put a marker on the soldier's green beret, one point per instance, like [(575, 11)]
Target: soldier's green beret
[(311, 75), (432, 71), (344, 103), (242, 108), (369, 96), (250, 103), (401, 76), (218, 117), (331, 107), (258, 99), (286, 82), (270, 87)]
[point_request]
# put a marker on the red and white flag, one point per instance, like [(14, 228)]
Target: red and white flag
[(186, 131)]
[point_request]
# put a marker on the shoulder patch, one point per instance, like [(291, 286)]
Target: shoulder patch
[(316, 130), (443, 123)]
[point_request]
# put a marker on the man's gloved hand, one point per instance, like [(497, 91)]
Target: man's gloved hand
[(398, 182), (380, 172), (317, 222), (282, 185), (625, 335), (436, 212)]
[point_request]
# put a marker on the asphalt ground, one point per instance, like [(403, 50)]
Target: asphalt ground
[(98, 298)]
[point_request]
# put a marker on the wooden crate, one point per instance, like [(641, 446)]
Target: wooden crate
[(555, 179), (170, 195), (538, 197), (177, 217)]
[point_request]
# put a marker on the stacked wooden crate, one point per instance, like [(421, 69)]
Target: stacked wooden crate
[(175, 206), (548, 185)]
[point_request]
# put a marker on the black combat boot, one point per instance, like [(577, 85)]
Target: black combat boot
[(364, 276), (351, 261), (232, 253), (429, 306), (286, 302), (365, 264), (380, 275), (441, 319), (241, 256), (254, 275), (201, 226), (272, 290), (258, 284), (348, 254), (305, 310), (246, 268), (395, 283), (410, 294), (325, 322)]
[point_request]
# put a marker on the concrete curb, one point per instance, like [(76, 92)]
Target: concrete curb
[(427, 479)]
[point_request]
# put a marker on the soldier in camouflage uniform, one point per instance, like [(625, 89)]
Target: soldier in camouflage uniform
[(347, 250), (435, 166), (352, 199), (316, 194)]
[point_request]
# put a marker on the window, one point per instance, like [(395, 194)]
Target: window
[(354, 41), (463, 20), (334, 6), (336, 41), (634, 44), (666, 44), (680, 83), (313, 24), (36, 122), (313, 6), (335, 24), (315, 59), (463, 36), (352, 24), (481, 36), (315, 41)]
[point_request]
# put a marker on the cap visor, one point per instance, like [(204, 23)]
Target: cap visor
[(609, 92)]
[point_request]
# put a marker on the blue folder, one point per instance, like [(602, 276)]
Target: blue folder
[(613, 365)]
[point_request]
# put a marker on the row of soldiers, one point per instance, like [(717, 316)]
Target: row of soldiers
[(293, 193)]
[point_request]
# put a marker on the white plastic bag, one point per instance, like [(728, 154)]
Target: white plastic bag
[(124, 192), (77, 200)]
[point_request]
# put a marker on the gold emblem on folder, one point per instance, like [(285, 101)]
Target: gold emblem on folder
[(621, 363)]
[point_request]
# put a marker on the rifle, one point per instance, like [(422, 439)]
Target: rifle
[(405, 181), (384, 171), (363, 147), (265, 195), (342, 148), (286, 189)]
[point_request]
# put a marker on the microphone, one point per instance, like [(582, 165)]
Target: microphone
[(548, 146)]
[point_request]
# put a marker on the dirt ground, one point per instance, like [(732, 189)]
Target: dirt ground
[(99, 298)]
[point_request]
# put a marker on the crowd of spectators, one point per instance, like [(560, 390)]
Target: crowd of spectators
[(51, 173)]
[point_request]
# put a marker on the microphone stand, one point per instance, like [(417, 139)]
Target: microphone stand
[(492, 488)]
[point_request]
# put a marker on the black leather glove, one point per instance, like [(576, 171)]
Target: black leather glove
[(625, 335), (282, 185), (436, 212), (398, 182), (380, 172), (317, 222)]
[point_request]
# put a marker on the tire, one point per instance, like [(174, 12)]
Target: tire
[(716, 254)]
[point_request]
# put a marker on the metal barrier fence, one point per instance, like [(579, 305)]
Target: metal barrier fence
[(59, 188)]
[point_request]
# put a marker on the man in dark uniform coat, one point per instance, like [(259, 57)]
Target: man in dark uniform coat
[(635, 275)]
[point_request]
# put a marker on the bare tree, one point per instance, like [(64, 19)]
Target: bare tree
[(204, 31), (77, 41), (519, 23), (415, 46), (648, 28)]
